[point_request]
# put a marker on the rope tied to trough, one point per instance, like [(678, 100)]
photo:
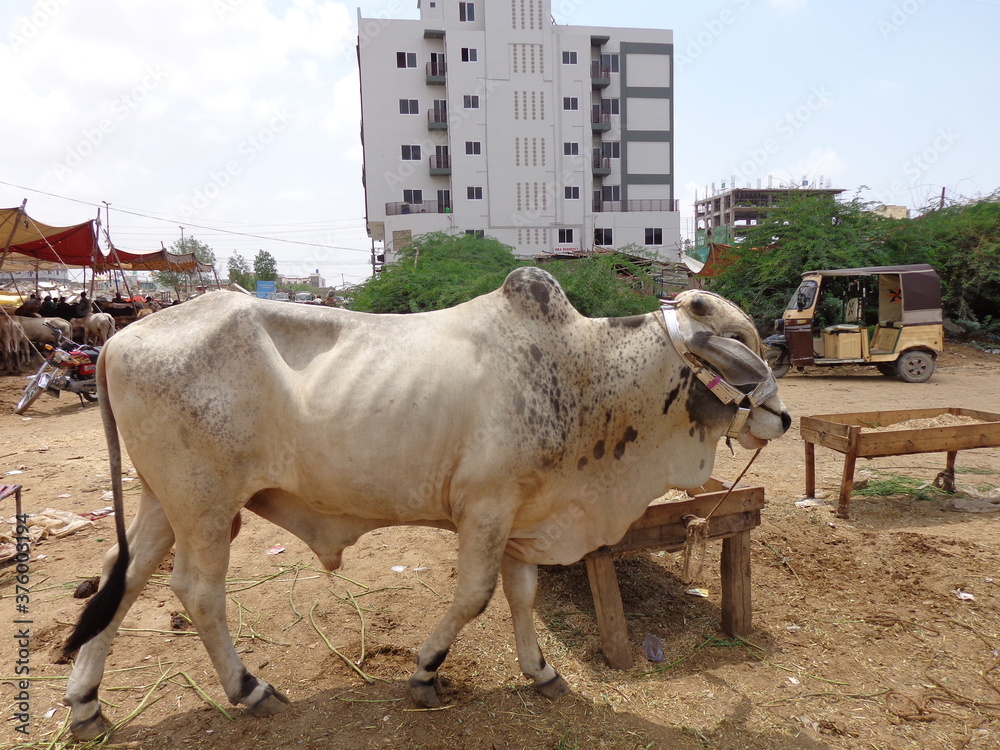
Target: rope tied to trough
[(696, 539)]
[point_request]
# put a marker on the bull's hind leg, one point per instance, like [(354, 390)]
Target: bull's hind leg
[(520, 581), (149, 539), (201, 559), (480, 547)]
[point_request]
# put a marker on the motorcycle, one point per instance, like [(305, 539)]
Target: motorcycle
[(69, 366)]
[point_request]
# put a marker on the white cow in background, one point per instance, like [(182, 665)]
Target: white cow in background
[(98, 328), (535, 433)]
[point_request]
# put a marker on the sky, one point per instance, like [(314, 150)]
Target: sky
[(237, 122)]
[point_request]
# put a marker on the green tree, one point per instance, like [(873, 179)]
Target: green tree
[(265, 267), (962, 243), (606, 285), (439, 270), (183, 246), (803, 233), (240, 272), (436, 271)]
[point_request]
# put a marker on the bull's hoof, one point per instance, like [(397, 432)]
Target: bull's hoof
[(273, 702), (557, 687), (90, 729), (424, 694)]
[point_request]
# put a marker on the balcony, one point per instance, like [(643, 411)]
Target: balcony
[(436, 73), (427, 207), (649, 204), (439, 164), (437, 119), (602, 166), (600, 121), (600, 75)]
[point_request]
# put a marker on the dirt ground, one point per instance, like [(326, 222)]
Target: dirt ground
[(860, 640)]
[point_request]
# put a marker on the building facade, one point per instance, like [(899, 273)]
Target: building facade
[(486, 117)]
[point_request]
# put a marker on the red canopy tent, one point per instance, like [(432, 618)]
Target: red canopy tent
[(29, 245)]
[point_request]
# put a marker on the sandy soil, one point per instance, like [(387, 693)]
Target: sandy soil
[(860, 639)]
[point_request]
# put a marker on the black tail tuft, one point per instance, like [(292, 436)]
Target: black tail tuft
[(100, 610)]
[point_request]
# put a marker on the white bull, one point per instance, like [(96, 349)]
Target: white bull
[(98, 328), (536, 433), (39, 330)]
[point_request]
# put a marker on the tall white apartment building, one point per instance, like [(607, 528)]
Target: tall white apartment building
[(487, 117)]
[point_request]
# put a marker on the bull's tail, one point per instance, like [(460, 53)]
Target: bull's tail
[(100, 610)]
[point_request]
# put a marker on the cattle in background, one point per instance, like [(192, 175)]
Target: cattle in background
[(98, 328), (39, 330), (15, 350), (535, 433)]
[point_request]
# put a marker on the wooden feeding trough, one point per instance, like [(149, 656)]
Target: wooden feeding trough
[(663, 527), (846, 433)]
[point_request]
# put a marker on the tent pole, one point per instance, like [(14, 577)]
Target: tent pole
[(10, 239)]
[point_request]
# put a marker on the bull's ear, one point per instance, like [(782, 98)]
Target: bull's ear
[(734, 361)]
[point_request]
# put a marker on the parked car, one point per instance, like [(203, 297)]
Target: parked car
[(304, 296), (281, 297)]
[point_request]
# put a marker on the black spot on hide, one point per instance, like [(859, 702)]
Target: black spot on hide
[(581, 463), (536, 353), (631, 321), (599, 450), (540, 292), (671, 397), (629, 437)]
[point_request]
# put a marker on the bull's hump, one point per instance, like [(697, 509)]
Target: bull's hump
[(536, 294)]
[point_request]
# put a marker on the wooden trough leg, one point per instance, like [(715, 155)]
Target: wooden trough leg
[(610, 611), (948, 475), (847, 481), (810, 470), (737, 605)]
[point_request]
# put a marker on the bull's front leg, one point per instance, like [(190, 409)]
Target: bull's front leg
[(520, 582), (481, 542)]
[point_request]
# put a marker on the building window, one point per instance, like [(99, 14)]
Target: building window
[(571, 193), (409, 107), (610, 62), (466, 11), (571, 149), (654, 236), (478, 233), (603, 237), (611, 106), (569, 58), (611, 192), (411, 153), (565, 236), (470, 54), (571, 103), (413, 196), (470, 101), (611, 149), (474, 193), (473, 148), (406, 59)]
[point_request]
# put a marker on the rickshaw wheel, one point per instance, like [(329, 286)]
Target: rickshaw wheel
[(915, 366)]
